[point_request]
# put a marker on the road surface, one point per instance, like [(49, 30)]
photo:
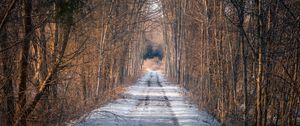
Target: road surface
[(152, 101)]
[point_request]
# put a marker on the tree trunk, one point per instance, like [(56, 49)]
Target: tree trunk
[(260, 72), (8, 81), (25, 60)]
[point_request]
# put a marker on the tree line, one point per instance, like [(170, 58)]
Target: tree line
[(59, 58), (239, 58), (151, 53)]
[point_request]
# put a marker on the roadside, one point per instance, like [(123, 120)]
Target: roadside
[(105, 98)]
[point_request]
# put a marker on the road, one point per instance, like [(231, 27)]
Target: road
[(152, 101)]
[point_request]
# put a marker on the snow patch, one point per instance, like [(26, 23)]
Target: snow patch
[(150, 102)]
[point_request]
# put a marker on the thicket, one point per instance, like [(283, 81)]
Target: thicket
[(239, 58), (60, 58)]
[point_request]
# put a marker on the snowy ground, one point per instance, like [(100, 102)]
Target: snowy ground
[(152, 101)]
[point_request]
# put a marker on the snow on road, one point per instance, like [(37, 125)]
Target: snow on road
[(152, 101)]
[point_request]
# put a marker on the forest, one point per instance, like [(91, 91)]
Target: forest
[(238, 59)]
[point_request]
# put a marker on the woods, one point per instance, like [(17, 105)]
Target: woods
[(239, 59), (61, 58)]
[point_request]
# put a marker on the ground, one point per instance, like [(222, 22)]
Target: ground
[(152, 101)]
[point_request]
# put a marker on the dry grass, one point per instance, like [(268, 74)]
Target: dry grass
[(153, 65), (105, 98)]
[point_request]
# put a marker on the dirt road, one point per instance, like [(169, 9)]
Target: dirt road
[(152, 101)]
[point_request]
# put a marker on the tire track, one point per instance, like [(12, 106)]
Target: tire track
[(166, 99), (147, 96), (144, 100)]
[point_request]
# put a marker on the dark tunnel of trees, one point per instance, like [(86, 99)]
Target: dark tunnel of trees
[(239, 59)]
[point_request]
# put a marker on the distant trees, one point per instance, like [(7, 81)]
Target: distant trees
[(150, 53), (60, 55), (240, 59)]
